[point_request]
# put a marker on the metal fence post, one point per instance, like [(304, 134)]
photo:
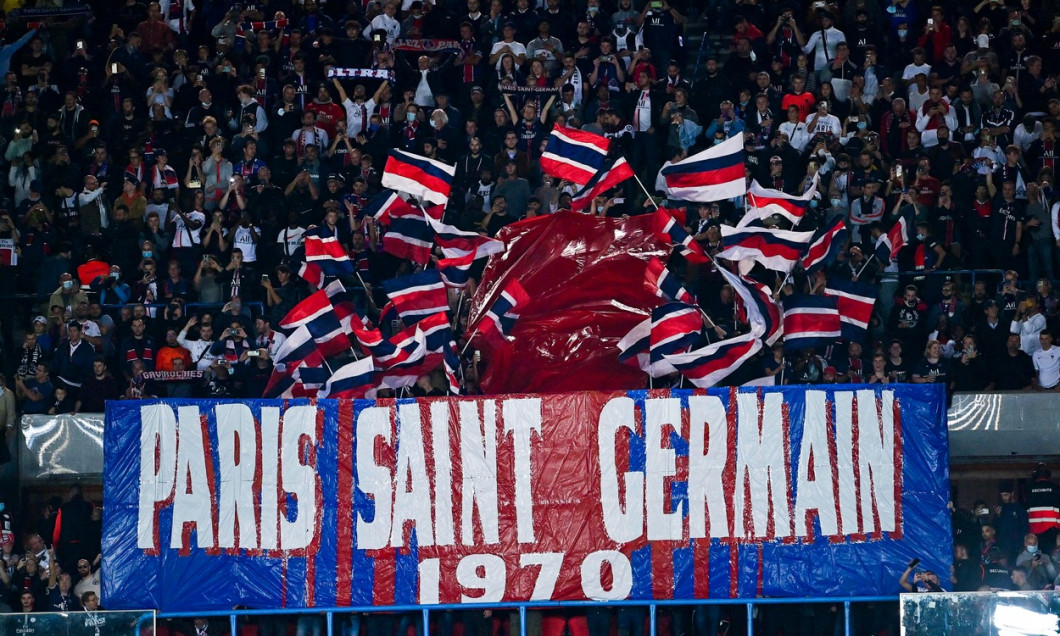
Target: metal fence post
[(426, 621), (846, 618), (330, 619), (750, 619), (522, 620), (232, 625), (651, 619)]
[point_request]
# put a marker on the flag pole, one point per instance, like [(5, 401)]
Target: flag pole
[(459, 306), (646, 193), (867, 261)]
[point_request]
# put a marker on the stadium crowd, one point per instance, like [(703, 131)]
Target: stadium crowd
[(163, 167)]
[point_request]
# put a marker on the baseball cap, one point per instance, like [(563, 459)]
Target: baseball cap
[(477, 89), (41, 319)]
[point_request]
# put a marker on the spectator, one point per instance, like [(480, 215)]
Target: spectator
[(1029, 324), (35, 394), (97, 389), (1046, 362)]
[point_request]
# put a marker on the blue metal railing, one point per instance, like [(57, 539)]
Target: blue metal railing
[(329, 613)]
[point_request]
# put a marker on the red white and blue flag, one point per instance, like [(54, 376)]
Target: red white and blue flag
[(824, 248), (301, 379), (376, 345), (299, 346), (423, 178), (574, 155), (352, 380), (455, 242), (601, 182), (776, 249), (811, 321), (456, 272), (675, 327), (418, 295), (327, 253), (667, 228), (712, 175), (765, 202), (760, 312), (661, 282), (385, 203), (318, 303), (855, 302), (706, 366), (497, 323), (898, 236), (409, 236)]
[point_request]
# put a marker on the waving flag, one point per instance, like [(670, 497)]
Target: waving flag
[(383, 351), (775, 249), (855, 302), (898, 236), (451, 360), (675, 327), (810, 321), (384, 203), (712, 175), (765, 202), (574, 155), (761, 312), (456, 243), (298, 346), (601, 182), (352, 380), (824, 248), (664, 284), (329, 333), (711, 364), (456, 272), (312, 274), (667, 228), (327, 253), (417, 295), (297, 379), (317, 304), (409, 236), (635, 345), (419, 176), (499, 320)]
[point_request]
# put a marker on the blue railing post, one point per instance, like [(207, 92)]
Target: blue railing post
[(651, 619), (522, 620), (750, 619), (330, 619), (232, 624), (426, 621), (846, 618)]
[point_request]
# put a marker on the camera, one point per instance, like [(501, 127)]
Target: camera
[(233, 332), (253, 353), (195, 185), (264, 278)]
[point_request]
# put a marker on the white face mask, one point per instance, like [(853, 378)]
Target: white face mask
[(1031, 549)]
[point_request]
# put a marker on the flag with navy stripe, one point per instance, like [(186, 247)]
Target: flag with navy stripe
[(574, 155), (712, 175), (811, 321), (423, 178)]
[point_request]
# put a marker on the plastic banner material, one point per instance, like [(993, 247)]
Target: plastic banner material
[(732, 493)]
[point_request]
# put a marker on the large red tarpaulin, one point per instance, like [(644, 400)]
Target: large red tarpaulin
[(585, 279)]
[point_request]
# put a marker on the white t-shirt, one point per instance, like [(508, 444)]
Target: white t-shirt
[(1047, 363), (181, 233), (911, 71), (291, 238), (516, 48), (244, 241)]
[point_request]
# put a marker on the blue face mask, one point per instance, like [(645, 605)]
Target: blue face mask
[(373, 127), (862, 125), (68, 284), (919, 237), (146, 254), (813, 203), (411, 117), (836, 203), (902, 33)]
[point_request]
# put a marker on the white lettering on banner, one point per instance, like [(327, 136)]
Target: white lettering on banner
[(177, 470), (412, 497), (237, 457), (768, 498), (478, 460), (373, 423), (624, 521), (521, 418), (706, 414), (254, 485)]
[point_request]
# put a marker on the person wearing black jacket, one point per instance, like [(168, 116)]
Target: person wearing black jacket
[(645, 103)]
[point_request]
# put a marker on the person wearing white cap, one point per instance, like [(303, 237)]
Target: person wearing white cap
[(981, 52)]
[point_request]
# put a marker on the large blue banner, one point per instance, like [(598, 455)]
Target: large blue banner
[(731, 493)]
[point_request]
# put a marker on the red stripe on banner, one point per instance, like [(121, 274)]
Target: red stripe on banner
[(721, 176), (701, 568), (899, 530), (785, 419), (734, 565), (662, 570), (344, 549), (855, 460), (833, 452), (758, 577)]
